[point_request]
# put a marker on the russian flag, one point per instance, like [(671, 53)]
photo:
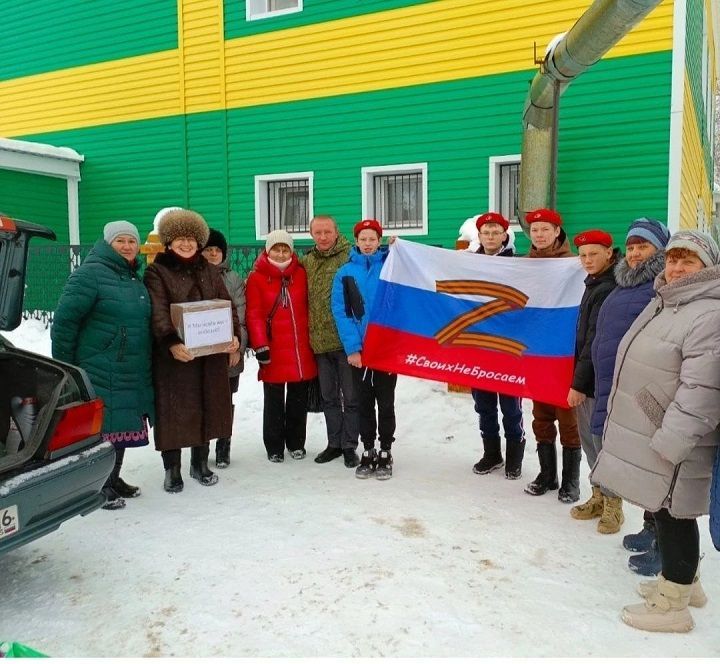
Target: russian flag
[(500, 324)]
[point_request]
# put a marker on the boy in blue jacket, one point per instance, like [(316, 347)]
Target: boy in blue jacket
[(353, 293)]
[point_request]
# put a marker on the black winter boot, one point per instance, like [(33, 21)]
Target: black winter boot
[(547, 478), (125, 490), (570, 487), (198, 465), (173, 480), (514, 453), (222, 452), (491, 458)]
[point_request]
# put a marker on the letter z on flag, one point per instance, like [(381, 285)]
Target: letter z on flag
[(500, 324)]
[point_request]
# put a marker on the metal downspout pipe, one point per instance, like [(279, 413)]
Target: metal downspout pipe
[(602, 26)]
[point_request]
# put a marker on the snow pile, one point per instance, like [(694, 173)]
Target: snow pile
[(303, 560)]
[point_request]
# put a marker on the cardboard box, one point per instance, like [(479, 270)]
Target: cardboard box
[(204, 326)]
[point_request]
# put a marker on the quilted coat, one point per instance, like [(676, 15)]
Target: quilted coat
[(364, 270), (236, 289), (291, 357), (192, 398), (661, 431), (321, 267), (102, 324), (633, 291)]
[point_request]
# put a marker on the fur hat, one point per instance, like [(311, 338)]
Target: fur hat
[(594, 236), (183, 223), (217, 239), (367, 225), (121, 227), (544, 214), (279, 236), (648, 230), (698, 242), (492, 218)]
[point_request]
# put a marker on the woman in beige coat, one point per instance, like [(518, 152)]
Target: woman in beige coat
[(662, 426)]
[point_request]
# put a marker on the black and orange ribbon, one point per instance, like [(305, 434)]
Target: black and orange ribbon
[(507, 298)]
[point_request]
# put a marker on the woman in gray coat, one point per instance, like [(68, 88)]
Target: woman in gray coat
[(661, 431), (215, 253)]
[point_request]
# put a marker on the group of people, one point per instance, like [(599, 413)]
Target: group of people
[(644, 404), (303, 317)]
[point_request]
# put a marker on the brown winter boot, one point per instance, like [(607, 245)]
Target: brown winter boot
[(664, 611), (612, 516), (590, 509), (698, 598)]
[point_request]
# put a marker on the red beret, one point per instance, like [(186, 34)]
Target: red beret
[(594, 236), (543, 214), (492, 218), (365, 224)]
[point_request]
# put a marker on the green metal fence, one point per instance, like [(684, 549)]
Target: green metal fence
[(49, 266)]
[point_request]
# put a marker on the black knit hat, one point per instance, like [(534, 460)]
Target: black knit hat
[(217, 239)]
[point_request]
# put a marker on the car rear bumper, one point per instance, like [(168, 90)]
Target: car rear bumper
[(47, 496)]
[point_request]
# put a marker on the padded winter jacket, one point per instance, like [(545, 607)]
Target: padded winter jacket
[(597, 288), (633, 291), (661, 432), (321, 267), (364, 272), (236, 289), (291, 358), (102, 324)]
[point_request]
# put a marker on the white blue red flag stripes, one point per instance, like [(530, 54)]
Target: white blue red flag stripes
[(501, 324)]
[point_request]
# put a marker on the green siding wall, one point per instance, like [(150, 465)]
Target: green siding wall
[(612, 164), (314, 11), (48, 35), (35, 198), (131, 170)]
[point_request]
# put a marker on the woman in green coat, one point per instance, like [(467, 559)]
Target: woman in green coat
[(102, 324)]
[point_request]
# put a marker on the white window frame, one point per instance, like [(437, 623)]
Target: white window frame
[(367, 174), (494, 183), (261, 208), (256, 16)]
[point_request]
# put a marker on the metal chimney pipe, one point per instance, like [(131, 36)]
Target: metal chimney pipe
[(602, 26)]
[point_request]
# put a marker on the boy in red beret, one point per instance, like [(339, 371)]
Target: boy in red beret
[(550, 241), (598, 258), (353, 294), (496, 239)]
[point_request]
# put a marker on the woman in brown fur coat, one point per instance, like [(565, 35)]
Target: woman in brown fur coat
[(193, 403)]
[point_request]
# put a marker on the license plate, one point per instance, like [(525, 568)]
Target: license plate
[(9, 523)]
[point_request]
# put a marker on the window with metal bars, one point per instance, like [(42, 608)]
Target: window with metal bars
[(508, 187), (287, 205)]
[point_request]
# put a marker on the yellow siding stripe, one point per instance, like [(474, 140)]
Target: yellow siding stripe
[(442, 41), (203, 54), (136, 88), (694, 183), (428, 43)]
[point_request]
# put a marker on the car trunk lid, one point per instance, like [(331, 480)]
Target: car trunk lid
[(15, 238)]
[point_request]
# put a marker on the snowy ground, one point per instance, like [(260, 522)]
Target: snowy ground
[(301, 559)]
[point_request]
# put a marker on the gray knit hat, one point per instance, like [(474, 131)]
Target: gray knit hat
[(183, 223), (698, 242), (650, 230), (120, 227), (278, 237)]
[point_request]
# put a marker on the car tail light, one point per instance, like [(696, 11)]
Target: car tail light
[(77, 421)]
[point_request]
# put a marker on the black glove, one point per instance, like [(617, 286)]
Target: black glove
[(263, 355)]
